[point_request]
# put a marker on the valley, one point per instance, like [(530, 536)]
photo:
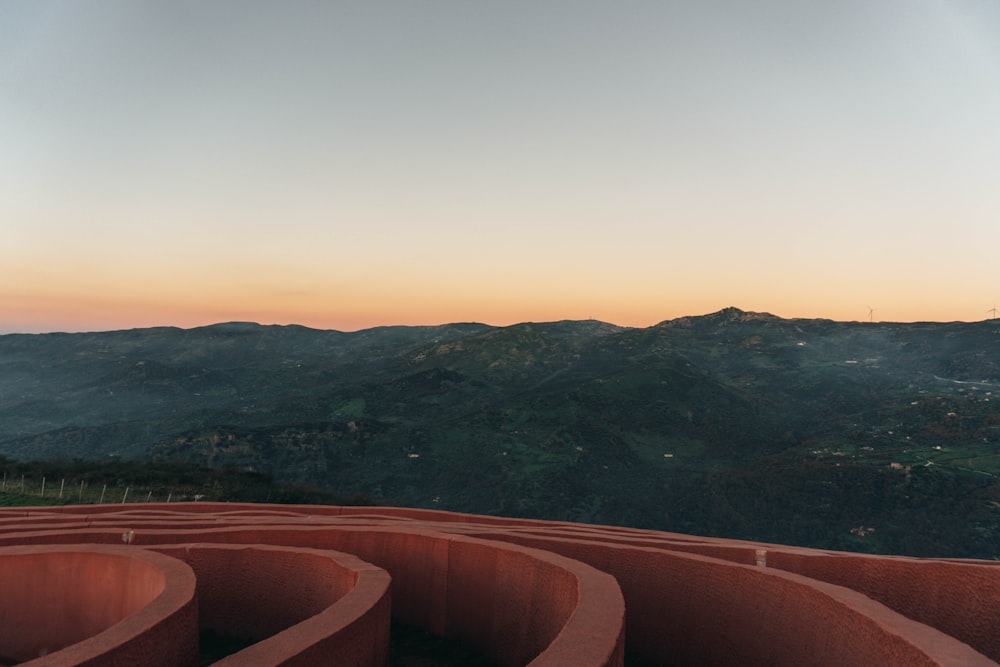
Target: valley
[(878, 437)]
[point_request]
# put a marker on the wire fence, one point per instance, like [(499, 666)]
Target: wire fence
[(66, 491)]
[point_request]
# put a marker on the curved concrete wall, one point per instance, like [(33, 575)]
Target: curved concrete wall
[(297, 606), (547, 593), (757, 616), (96, 605), (961, 599), (515, 604)]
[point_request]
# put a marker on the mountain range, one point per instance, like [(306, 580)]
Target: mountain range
[(879, 437)]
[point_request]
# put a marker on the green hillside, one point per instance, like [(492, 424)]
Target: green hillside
[(877, 437)]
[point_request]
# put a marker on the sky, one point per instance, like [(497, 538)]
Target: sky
[(344, 165)]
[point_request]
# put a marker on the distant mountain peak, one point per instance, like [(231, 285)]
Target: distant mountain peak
[(726, 315), (734, 314), (234, 326)]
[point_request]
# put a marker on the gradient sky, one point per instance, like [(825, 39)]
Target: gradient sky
[(351, 164)]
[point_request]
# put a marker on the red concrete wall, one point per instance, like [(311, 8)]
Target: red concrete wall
[(688, 609), (540, 593), (516, 605), (960, 599), (297, 604), (96, 605)]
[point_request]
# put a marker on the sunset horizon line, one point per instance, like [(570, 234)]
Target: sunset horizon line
[(991, 314)]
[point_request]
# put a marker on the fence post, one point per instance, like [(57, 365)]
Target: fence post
[(43, 487), (101, 501), (61, 486), (125, 496), (81, 490)]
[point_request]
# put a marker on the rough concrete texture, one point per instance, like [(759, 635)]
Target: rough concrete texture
[(96, 605), (311, 585), (295, 605)]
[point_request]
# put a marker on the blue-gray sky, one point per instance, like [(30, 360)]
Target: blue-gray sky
[(351, 164)]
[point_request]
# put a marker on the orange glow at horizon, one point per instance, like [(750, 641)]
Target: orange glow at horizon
[(114, 303), (341, 169)]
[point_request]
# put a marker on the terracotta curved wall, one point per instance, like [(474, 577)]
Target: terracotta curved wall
[(548, 593), (512, 603), (98, 605), (690, 609), (939, 593), (296, 605)]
